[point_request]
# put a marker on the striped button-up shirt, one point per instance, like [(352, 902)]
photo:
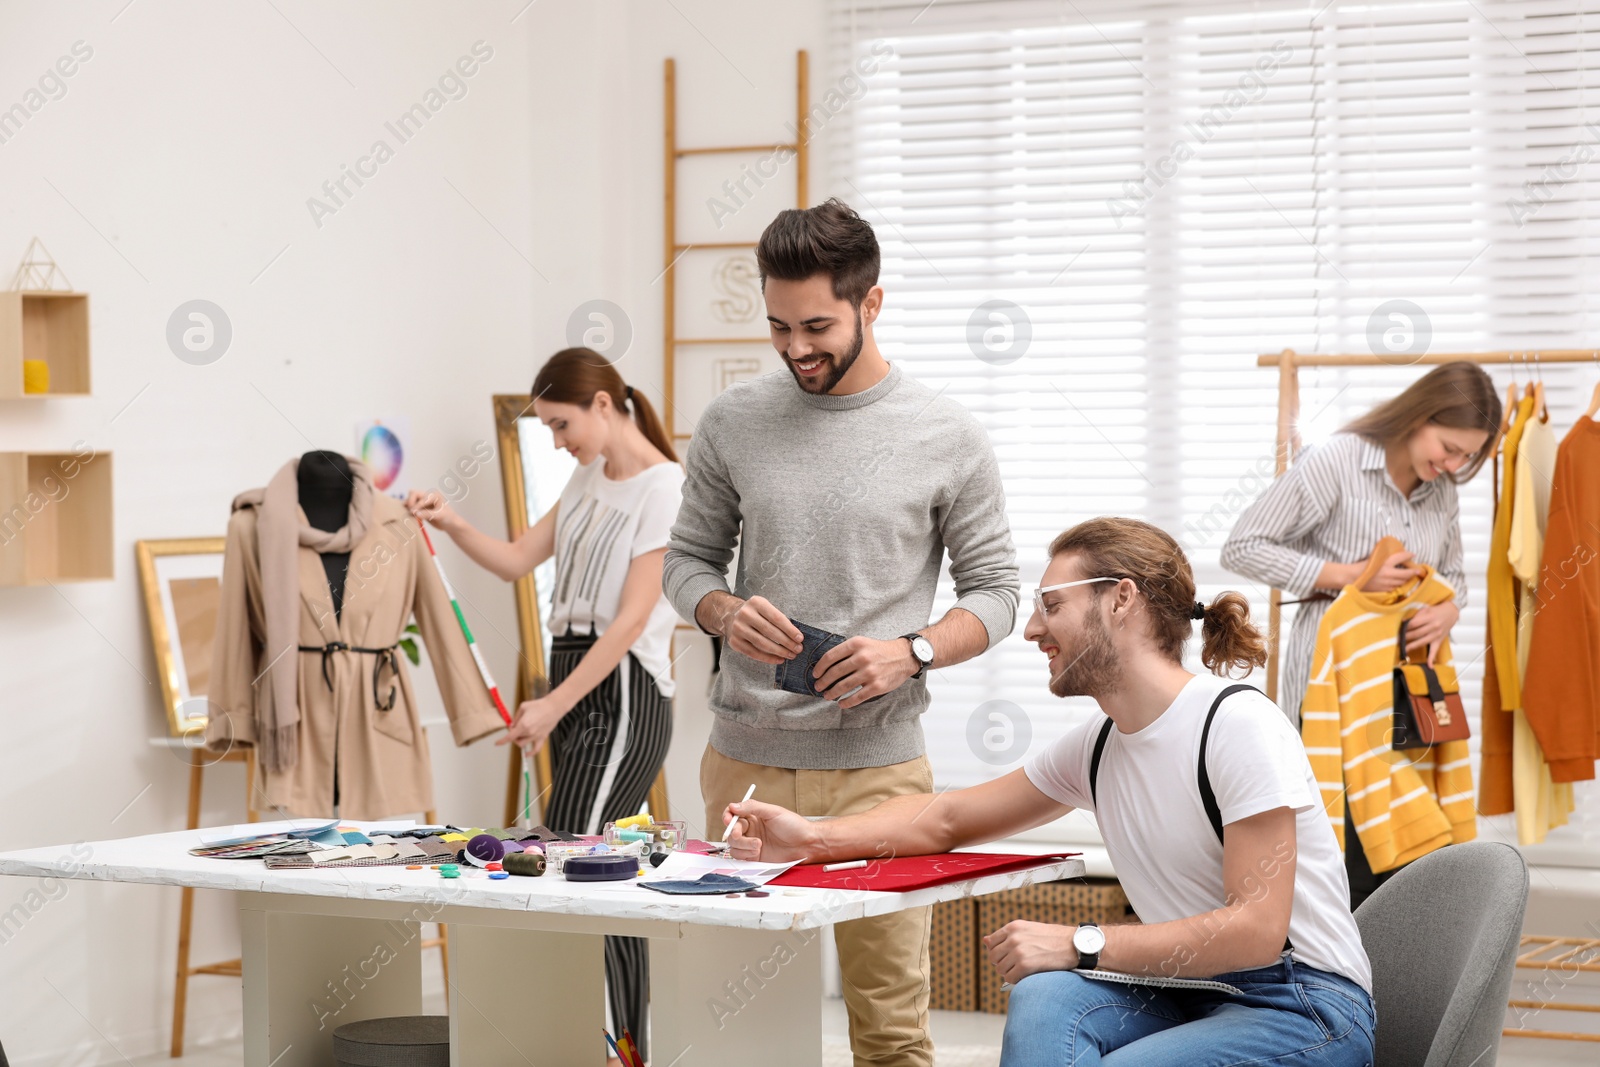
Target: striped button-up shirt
[(1334, 504)]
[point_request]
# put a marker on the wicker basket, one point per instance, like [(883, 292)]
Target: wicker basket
[(955, 954)]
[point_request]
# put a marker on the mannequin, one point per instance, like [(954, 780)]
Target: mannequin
[(356, 726), (325, 491)]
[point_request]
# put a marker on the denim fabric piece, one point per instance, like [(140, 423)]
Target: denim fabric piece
[(796, 675), (706, 883)]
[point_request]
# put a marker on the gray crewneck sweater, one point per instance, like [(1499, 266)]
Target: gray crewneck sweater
[(842, 508)]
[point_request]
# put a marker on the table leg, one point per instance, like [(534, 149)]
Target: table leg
[(526, 997), (724, 996), (305, 975)]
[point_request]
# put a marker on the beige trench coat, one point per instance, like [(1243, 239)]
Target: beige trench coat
[(382, 756)]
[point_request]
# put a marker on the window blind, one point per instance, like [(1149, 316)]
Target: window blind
[(1094, 216)]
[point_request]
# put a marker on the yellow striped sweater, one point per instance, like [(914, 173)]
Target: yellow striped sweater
[(1402, 804)]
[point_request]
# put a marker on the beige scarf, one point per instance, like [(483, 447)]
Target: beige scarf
[(281, 531)]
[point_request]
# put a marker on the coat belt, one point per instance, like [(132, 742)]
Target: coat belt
[(386, 658)]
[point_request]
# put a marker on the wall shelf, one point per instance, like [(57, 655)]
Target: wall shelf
[(49, 326), (55, 517)]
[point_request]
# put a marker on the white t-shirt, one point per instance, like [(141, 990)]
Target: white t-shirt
[(601, 525), (1165, 852)]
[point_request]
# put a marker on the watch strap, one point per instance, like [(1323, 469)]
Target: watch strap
[(1087, 961), (922, 664)]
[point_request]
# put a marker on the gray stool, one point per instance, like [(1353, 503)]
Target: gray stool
[(404, 1041)]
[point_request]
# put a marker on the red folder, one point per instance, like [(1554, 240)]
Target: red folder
[(904, 873)]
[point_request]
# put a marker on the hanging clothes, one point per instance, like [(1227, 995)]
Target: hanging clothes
[(1502, 677), (356, 711), (1562, 692), (1403, 805), (1542, 804)]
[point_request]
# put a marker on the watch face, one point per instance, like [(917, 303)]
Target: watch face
[(923, 649), (1089, 939)]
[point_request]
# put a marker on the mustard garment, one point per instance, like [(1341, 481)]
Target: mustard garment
[(1403, 805), (1502, 677), (1542, 804)]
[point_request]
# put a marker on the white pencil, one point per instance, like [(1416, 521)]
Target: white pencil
[(849, 865), (748, 793)]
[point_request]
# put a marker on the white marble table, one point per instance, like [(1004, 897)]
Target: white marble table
[(733, 981)]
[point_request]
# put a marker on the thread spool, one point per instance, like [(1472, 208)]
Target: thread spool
[(526, 864)]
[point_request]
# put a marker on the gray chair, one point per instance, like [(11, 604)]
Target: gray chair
[(1442, 935)]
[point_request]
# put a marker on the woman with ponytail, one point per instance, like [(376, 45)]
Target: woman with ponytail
[(1207, 805), (608, 715)]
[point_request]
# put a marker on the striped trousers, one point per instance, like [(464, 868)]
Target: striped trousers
[(604, 756)]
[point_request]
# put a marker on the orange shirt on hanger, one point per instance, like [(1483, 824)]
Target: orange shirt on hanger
[(1561, 693)]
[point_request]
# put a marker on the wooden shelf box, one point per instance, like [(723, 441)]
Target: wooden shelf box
[(51, 327), (55, 517)]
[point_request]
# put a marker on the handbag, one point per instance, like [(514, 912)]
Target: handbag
[(1425, 712)]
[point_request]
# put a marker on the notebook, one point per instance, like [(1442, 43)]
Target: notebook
[(1149, 980)]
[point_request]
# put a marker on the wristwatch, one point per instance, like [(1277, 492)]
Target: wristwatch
[(922, 649), (1089, 940)]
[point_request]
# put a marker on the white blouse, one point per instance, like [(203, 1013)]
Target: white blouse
[(601, 526)]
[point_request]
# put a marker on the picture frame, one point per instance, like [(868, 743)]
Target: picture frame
[(181, 582)]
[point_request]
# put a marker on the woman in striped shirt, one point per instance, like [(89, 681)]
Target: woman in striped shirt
[(608, 715), (1394, 471)]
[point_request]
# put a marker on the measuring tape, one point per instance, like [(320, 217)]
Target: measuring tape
[(483, 668)]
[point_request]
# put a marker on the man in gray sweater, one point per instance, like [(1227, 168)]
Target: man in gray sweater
[(843, 483)]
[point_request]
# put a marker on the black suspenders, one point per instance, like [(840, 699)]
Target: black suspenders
[(1207, 797)]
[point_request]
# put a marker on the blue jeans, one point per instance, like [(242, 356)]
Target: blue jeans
[(1288, 1015)]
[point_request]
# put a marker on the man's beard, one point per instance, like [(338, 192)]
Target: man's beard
[(841, 365), (1094, 669)]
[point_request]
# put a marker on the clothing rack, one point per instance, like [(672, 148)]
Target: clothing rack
[(1287, 444), (1533, 951)]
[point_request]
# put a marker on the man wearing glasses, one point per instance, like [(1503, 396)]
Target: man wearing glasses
[(1233, 869), (843, 482)]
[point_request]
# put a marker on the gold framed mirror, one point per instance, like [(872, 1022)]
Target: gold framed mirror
[(181, 579), (532, 474)]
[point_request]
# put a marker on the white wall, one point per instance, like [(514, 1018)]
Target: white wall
[(177, 165)]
